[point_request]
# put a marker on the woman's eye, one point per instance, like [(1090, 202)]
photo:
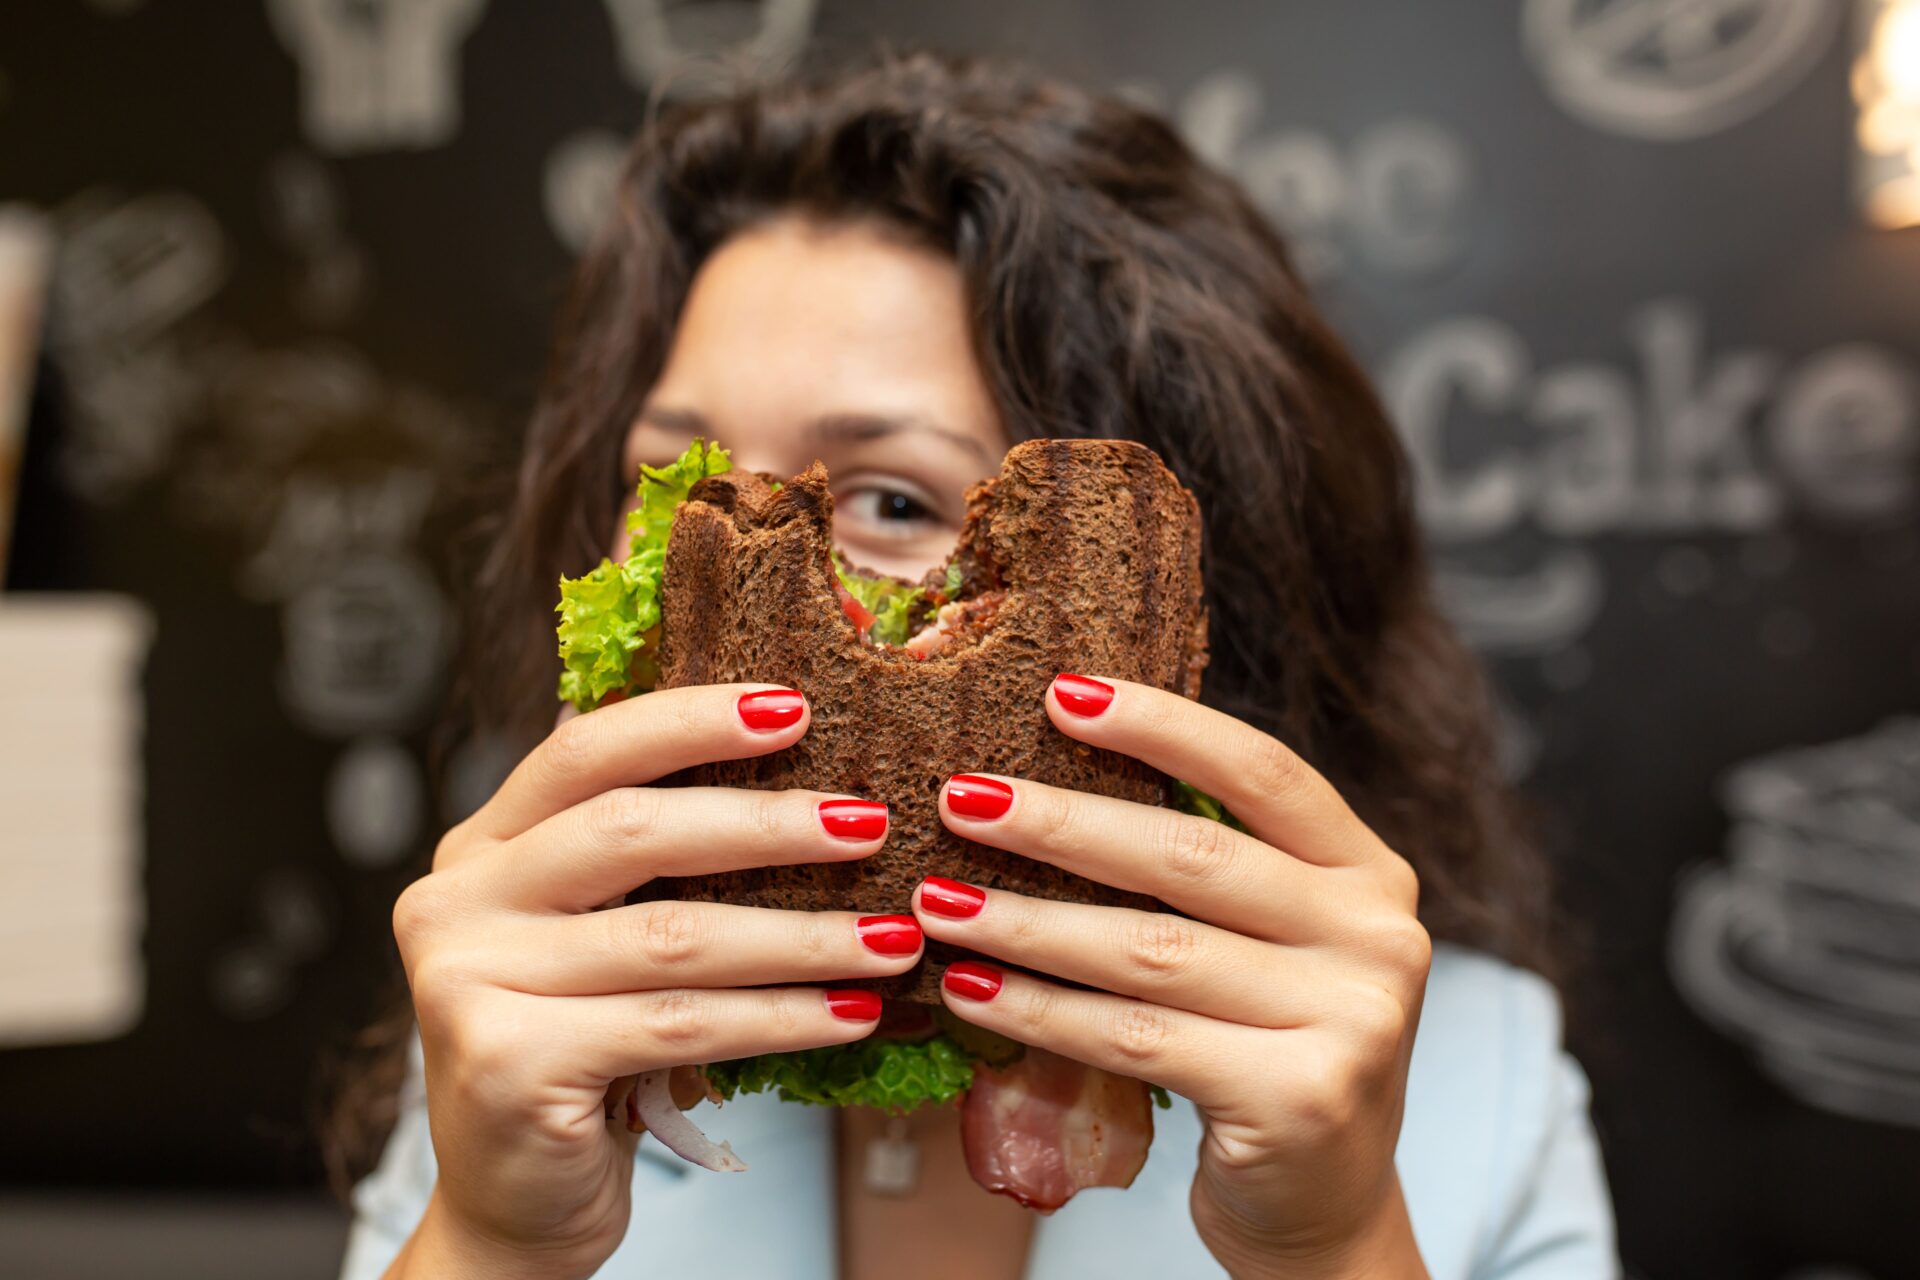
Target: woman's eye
[(887, 511), (900, 506)]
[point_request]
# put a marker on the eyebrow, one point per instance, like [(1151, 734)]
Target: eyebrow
[(830, 428)]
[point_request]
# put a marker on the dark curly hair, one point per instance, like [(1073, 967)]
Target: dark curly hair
[(1117, 287)]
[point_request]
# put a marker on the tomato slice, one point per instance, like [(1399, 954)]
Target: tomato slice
[(861, 615)]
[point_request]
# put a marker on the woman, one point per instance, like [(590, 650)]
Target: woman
[(901, 271)]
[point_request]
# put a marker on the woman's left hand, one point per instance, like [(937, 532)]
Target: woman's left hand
[(1285, 1007)]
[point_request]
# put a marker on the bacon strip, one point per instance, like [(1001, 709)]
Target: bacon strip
[(1047, 1127), (958, 622)]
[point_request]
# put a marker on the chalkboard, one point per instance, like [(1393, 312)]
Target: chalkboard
[(1606, 257)]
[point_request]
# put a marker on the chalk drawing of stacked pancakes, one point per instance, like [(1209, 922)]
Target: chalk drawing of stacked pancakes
[(1805, 942)]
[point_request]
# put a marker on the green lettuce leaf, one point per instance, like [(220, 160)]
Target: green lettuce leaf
[(663, 489), (604, 618), (892, 604), (895, 1075), (1188, 798), (892, 1074), (608, 614)]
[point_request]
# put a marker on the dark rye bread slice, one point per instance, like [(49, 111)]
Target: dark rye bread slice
[(1097, 547)]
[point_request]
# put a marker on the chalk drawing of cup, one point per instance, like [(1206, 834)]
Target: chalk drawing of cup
[(1804, 943)]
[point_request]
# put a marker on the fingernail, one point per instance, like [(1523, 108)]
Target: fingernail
[(1082, 695), (771, 709), (889, 935), (972, 796), (972, 980), (854, 819), (950, 898), (854, 1006)]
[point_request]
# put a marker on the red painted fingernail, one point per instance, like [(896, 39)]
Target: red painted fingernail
[(972, 980), (771, 709), (950, 898), (854, 819), (854, 1006), (1082, 695), (972, 796), (889, 935)]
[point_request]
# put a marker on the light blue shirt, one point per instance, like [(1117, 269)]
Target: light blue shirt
[(1497, 1160)]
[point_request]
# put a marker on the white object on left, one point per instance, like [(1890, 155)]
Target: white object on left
[(72, 808)]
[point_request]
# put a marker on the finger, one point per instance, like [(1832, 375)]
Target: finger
[(1281, 798), (1178, 1050), (606, 1037), (654, 945), (1155, 956), (619, 839), (637, 740), (1204, 868)]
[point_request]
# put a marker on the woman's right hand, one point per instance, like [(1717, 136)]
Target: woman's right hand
[(531, 1002)]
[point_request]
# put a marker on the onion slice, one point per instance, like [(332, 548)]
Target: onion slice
[(651, 1106)]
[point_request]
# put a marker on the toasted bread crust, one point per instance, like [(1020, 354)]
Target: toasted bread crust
[(1098, 549)]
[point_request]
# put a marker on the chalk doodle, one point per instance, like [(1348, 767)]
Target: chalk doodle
[(377, 75), (277, 418), (292, 923), (1397, 200), (365, 645), (333, 540), (125, 330), (1805, 942), (374, 802), (676, 47), (1687, 442), (248, 981), (578, 187), (328, 473), (1669, 70), (264, 443), (305, 211), (1534, 606)]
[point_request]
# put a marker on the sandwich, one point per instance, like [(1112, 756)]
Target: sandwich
[(1080, 555)]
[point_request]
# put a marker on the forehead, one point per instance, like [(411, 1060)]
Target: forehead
[(819, 308)]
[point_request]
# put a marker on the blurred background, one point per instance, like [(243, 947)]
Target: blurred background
[(1640, 280)]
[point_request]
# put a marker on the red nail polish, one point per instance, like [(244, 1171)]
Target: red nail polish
[(972, 796), (943, 897), (889, 935), (972, 980), (1082, 695), (854, 1006), (771, 709), (854, 819)]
